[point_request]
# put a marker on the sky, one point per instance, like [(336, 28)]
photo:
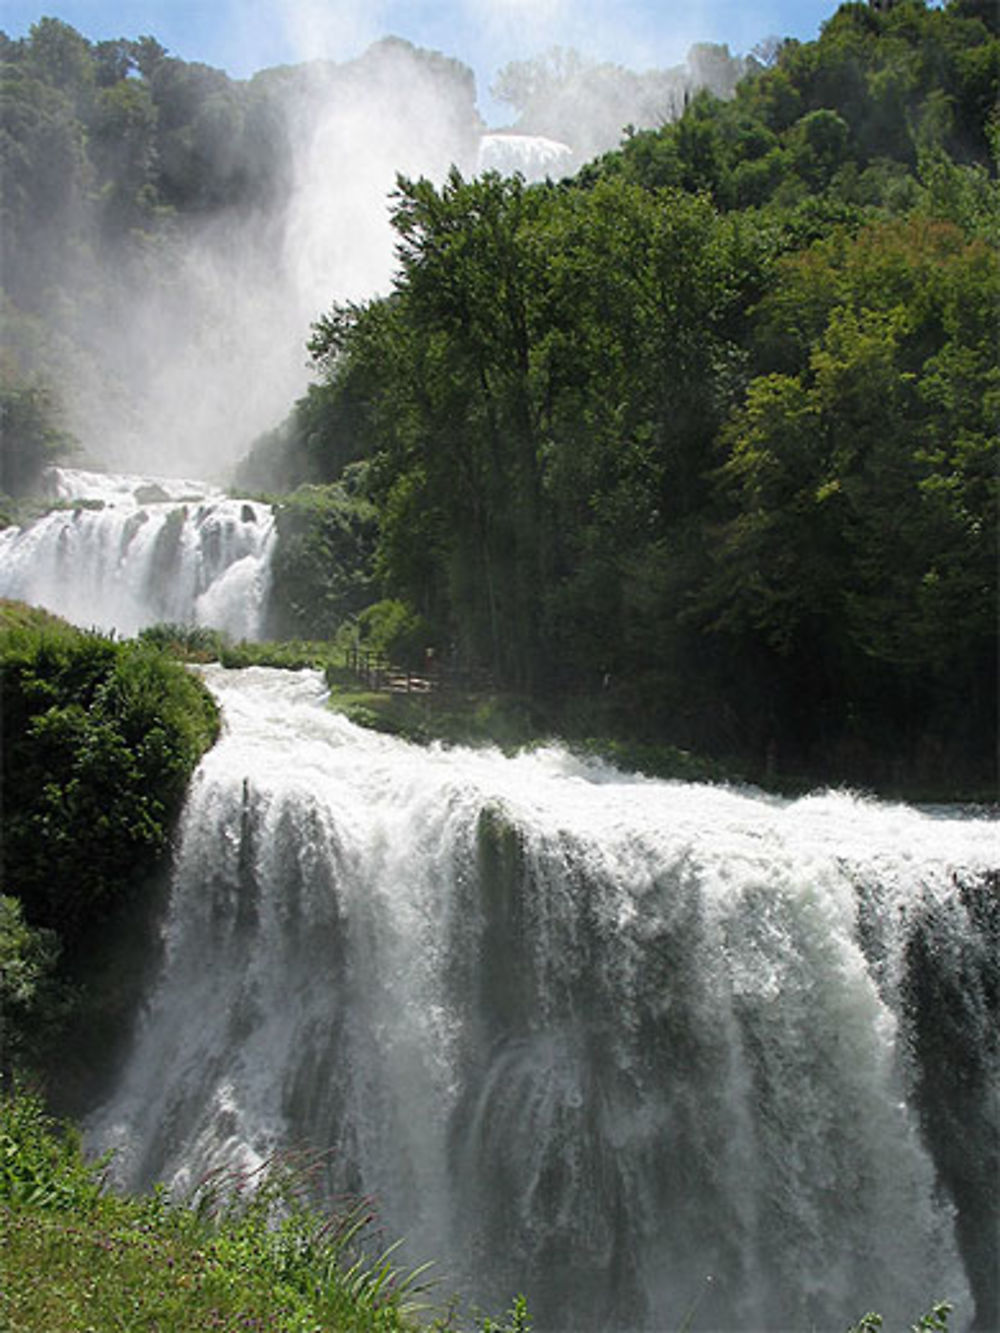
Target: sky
[(244, 36)]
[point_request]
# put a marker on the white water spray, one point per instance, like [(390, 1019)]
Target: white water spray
[(125, 552), (531, 155), (627, 1045)]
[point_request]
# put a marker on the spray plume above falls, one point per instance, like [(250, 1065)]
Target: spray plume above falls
[(165, 257)]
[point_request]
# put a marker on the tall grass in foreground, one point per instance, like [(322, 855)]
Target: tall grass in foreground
[(246, 1253)]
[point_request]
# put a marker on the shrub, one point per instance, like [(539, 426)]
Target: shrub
[(322, 568), (41, 1162), (99, 740), (192, 643), (31, 1000)]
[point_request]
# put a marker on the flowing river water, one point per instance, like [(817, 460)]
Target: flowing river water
[(644, 1050)]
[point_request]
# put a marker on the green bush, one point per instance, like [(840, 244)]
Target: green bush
[(41, 1163), (31, 999), (31, 435), (99, 740), (322, 567), (191, 643)]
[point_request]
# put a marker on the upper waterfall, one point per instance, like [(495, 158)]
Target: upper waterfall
[(121, 552), (533, 155)]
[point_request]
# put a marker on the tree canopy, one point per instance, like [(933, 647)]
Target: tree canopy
[(712, 425)]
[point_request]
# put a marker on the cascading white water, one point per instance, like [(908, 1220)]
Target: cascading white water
[(532, 155), (634, 1047), (136, 550)]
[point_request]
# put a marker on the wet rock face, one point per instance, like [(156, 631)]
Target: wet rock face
[(150, 495)]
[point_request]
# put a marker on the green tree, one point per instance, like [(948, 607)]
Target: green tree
[(860, 546), (59, 56), (30, 997), (123, 150), (30, 436), (467, 274), (44, 183)]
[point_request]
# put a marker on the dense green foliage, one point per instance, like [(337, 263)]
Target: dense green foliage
[(711, 428), (110, 138), (322, 568), (31, 999), (98, 741), (30, 436)]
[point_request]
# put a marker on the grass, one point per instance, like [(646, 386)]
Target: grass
[(19, 616), (122, 1269), (198, 643), (457, 717), (245, 1254), (249, 1253)]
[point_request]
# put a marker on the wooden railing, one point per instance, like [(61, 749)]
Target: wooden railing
[(376, 672)]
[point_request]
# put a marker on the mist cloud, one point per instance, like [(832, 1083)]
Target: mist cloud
[(202, 348), (205, 347)]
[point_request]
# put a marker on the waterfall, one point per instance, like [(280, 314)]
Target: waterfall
[(121, 552), (533, 155), (637, 1048)]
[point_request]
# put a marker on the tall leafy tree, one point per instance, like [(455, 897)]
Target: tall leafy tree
[(861, 546), (31, 436)]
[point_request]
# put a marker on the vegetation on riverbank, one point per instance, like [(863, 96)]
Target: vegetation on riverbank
[(510, 722), (246, 1252), (99, 739)]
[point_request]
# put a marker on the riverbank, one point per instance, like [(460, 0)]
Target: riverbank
[(509, 722), (245, 1253), (598, 725), (589, 727)]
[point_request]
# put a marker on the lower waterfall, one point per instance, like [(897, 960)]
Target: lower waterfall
[(643, 1050)]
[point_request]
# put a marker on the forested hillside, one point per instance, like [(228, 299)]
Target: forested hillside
[(707, 434)]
